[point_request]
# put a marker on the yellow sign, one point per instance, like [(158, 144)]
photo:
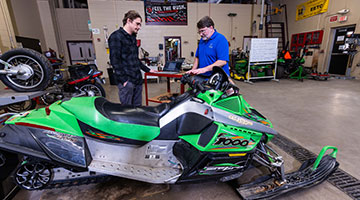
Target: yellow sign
[(311, 8)]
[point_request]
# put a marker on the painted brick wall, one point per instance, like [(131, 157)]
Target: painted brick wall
[(110, 13)]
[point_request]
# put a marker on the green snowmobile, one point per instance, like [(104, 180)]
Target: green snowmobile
[(209, 132)]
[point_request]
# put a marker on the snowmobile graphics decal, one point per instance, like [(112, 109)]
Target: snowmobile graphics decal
[(240, 120), (230, 141), (60, 136), (213, 169), (102, 135)]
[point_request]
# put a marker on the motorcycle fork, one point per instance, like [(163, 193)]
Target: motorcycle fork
[(7, 69), (7, 65), (267, 157)]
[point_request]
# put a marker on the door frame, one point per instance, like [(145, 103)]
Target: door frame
[(78, 41), (168, 37), (331, 39)]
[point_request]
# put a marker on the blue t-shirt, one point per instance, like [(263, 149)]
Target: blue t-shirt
[(211, 50)]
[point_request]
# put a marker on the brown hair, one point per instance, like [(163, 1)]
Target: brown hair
[(131, 14), (205, 22)]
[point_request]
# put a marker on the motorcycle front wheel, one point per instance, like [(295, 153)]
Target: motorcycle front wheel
[(35, 70), (93, 89), (22, 106)]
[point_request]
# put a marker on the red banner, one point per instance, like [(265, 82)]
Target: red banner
[(165, 14)]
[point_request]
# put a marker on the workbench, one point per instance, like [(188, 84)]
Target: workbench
[(168, 93)]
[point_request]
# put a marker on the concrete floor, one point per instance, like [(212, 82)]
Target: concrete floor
[(311, 113)]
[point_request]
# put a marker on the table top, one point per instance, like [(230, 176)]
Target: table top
[(165, 74)]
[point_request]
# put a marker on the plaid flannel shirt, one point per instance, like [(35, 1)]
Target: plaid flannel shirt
[(124, 57)]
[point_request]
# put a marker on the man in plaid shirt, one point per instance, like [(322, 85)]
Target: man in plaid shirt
[(124, 57)]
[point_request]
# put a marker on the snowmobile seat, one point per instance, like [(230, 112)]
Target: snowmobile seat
[(142, 115)]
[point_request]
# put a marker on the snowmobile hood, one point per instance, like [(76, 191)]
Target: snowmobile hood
[(239, 121)]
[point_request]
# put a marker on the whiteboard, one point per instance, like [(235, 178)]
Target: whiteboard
[(263, 49)]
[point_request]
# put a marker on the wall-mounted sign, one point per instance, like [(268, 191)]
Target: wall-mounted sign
[(95, 31), (343, 18), (311, 8), (333, 18), (165, 13)]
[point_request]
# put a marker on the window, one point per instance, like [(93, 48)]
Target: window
[(309, 37), (313, 38)]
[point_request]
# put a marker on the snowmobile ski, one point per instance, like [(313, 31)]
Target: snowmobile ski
[(311, 173)]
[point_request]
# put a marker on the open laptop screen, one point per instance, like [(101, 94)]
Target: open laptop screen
[(173, 66)]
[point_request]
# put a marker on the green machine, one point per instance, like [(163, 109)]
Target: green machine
[(209, 132), (240, 71)]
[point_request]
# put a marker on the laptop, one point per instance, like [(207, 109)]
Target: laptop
[(172, 67)]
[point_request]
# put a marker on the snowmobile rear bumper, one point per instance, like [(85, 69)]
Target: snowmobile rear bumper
[(312, 172)]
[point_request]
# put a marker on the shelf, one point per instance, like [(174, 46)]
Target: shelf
[(158, 98), (168, 93), (8, 96)]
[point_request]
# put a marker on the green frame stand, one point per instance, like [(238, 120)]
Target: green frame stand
[(299, 76)]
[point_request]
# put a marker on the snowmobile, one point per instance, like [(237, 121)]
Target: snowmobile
[(209, 132)]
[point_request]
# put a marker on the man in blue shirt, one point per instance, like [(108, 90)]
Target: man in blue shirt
[(213, 49)]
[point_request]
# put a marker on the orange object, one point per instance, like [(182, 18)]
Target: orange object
[(287, 56)]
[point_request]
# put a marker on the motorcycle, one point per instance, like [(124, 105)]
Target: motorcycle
[(209, 132), (25, 70), (84, 80)]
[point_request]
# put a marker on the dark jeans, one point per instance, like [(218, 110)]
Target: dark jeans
[(130, 94)]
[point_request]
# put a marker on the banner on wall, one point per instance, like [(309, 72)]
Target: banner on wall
[(165, 14), (311, 8)]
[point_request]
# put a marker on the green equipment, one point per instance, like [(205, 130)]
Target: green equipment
[(240, 71), (209, 132)]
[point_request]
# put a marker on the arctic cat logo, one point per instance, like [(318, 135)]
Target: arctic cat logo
[(230, 141), (240, 120)]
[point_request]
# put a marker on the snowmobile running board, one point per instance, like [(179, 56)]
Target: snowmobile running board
[(311, 173)]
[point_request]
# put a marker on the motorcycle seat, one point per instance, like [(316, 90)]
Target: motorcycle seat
[(142, 115)]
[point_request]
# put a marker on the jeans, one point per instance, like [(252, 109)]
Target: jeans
[(130, 94)]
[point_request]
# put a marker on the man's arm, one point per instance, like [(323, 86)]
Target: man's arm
[(143, 67), (218, 63), (115, 58), (196, 63)]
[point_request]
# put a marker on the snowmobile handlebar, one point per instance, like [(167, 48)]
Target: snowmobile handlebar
[(195, 82)]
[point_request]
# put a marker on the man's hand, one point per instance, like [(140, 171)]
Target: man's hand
[(153, 70), (125, 83), (197, 71)]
